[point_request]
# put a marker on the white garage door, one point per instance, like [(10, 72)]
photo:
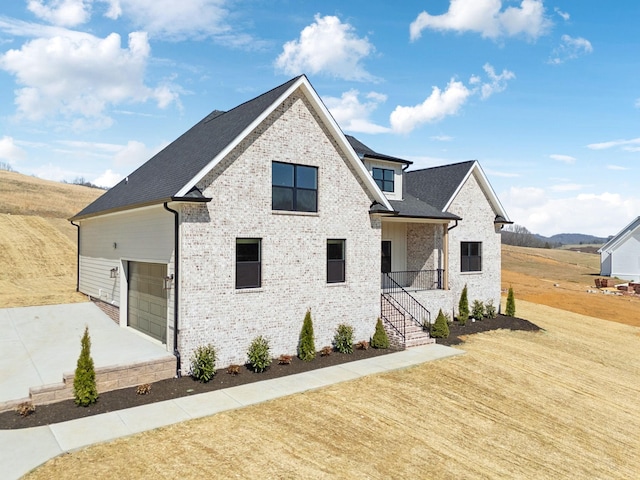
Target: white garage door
[(147, 299)]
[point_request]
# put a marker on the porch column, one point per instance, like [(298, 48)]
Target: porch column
[(445, 250)]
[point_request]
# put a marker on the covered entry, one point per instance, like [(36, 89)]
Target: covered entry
[(147, 299)]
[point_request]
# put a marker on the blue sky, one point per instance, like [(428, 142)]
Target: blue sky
[(546, 95)]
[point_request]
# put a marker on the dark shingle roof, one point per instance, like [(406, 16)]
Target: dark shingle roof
[(435, 186), (363, 151), (165, 174), (412, 207)]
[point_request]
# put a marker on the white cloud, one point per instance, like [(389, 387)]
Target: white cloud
[(79, 76), (628, 144), (497, 83), (599, 214), (495, 173), (570, 48), (487, 18), (327, 46), (134, 154), (65, 13), (352, 114), (107, 179), (565, 16), (172, 20), (442, 138), (10, 152), (563, 158), (616, 167), (440, 104)]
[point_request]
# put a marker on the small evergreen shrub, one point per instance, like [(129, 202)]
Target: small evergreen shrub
[(203, 363), (490, 310), (463, 307), (306, 345), (85, 391), (477, 310), (510, 311), (343, 339), (440, 328), (258, 354), (380, 338)]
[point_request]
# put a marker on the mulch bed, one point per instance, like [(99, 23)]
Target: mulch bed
[(180, 387)]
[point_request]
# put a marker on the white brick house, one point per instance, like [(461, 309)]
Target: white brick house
[(257, 214), (620, 256)]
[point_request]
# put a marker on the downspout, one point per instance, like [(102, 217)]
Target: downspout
[(77, 258), (176, 280), (446, 255)]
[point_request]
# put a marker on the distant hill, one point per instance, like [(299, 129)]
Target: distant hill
[(573, 239)]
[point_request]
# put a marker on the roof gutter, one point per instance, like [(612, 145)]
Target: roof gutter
[(142, 205), (176, 283), (454, 226), (77, 257)]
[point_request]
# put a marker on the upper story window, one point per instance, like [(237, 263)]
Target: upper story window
[(384, 178), (470, 256), (248, 262), (294, 187)]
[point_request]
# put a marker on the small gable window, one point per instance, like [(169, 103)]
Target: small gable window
[(384, 178), (470, 256), (294, 187), (248, 262), (335, 261)]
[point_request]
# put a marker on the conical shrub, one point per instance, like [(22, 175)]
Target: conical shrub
[(463, 307), (510, 311), (306, 344), (85, 390), (440, 329), (380, 338)]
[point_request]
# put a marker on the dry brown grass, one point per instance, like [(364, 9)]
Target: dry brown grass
[(37, 243), (534, 272), (555, 404)]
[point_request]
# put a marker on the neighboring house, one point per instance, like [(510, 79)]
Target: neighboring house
[(620, 256), (258, 214)]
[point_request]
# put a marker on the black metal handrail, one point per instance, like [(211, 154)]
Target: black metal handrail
[(415, 279), (386, 316), (406, 301)]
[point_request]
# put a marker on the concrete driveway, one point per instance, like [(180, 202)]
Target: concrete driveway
[(39, 344)]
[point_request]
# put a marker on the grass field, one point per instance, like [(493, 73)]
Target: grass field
[(555, 404)]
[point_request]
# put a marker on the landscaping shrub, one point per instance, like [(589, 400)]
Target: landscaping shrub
[(306, 345), (440, 329), (233, 369), (463, 307), (143, 389), (477, 310), (258, 354), (203, 363), (490, 310), (25, 409), (326, 351), (343, 339), (511, 304), (85, 391), (380, 338), (285, 359)]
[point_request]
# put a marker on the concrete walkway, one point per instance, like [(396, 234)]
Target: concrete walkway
[(23, 450), (39, 344)]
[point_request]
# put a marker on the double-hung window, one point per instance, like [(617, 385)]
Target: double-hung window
[(384, 178), (470, 256), (335, 261), (294, 187), (248, 262)]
